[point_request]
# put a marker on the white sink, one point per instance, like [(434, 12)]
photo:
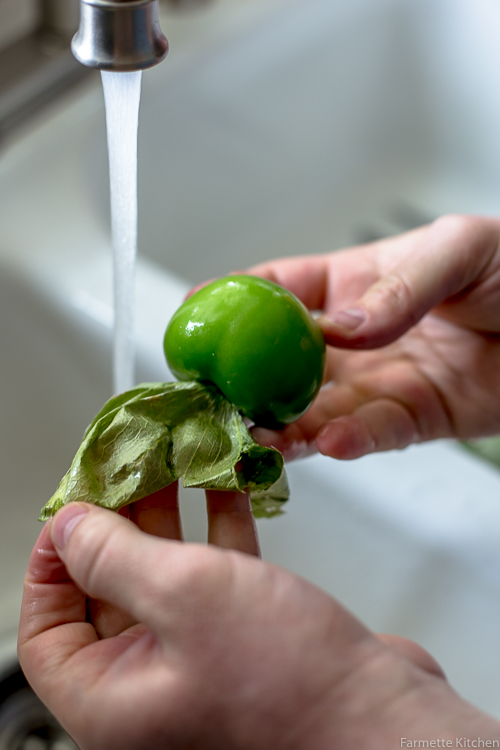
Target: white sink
[(298, 130)]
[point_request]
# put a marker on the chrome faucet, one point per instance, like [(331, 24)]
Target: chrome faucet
[(119, 35)]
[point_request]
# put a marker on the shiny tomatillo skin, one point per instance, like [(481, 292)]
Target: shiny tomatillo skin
[(256, 341)]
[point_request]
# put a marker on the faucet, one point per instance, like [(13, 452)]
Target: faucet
[(119, 35)]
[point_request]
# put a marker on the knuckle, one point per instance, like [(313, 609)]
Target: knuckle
[(203, 576), (198, 571), (473, 241), (394, 294)]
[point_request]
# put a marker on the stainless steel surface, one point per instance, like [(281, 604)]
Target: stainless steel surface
[(188, 4), (121, 35), (37, 65)]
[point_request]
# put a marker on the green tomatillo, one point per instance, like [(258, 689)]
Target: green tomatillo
[(255, 341)]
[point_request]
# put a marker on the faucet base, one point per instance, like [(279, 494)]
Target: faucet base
[(119, 35)]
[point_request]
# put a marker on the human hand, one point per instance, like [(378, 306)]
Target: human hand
[(413, 324), (200, 647)]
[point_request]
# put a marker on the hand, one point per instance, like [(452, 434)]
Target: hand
[(413, 325), (199, 647)]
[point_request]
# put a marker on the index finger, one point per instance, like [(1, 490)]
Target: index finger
[(305, 276), (51, 600)]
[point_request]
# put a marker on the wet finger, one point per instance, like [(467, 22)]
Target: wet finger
[(418, 271), (305, 276), (379, 425), (51, 602), (158, 514), (112, 560), (297, 440), (292, 442), (230, 521)]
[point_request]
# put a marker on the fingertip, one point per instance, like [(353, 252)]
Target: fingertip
[(290, 441), (345, 438), (65, 521), (268, 438), (197, 288), (347, 329), (343, 321), (387, 310), (104, 554)]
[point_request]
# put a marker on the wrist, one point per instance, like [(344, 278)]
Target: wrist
[(386, 702)]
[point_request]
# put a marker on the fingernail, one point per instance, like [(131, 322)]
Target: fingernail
[(349, 319), (65, 522)]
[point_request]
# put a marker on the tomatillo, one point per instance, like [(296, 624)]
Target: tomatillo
[(255, 341)]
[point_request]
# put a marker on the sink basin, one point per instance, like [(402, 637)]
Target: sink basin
[(319, 125), (309, 126)]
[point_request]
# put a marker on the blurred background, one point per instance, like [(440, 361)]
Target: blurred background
[(280, 127), (274, 127)]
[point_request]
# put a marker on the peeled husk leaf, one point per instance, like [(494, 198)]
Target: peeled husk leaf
[(150, 436)]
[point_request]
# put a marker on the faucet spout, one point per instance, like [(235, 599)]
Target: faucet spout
[(119, 35)]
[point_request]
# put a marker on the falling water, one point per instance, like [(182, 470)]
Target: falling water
[(122, 93)]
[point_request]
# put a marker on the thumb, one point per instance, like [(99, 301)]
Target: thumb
[(417, 272), (110, 559)]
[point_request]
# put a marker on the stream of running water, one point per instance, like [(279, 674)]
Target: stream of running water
[(122, 93)]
